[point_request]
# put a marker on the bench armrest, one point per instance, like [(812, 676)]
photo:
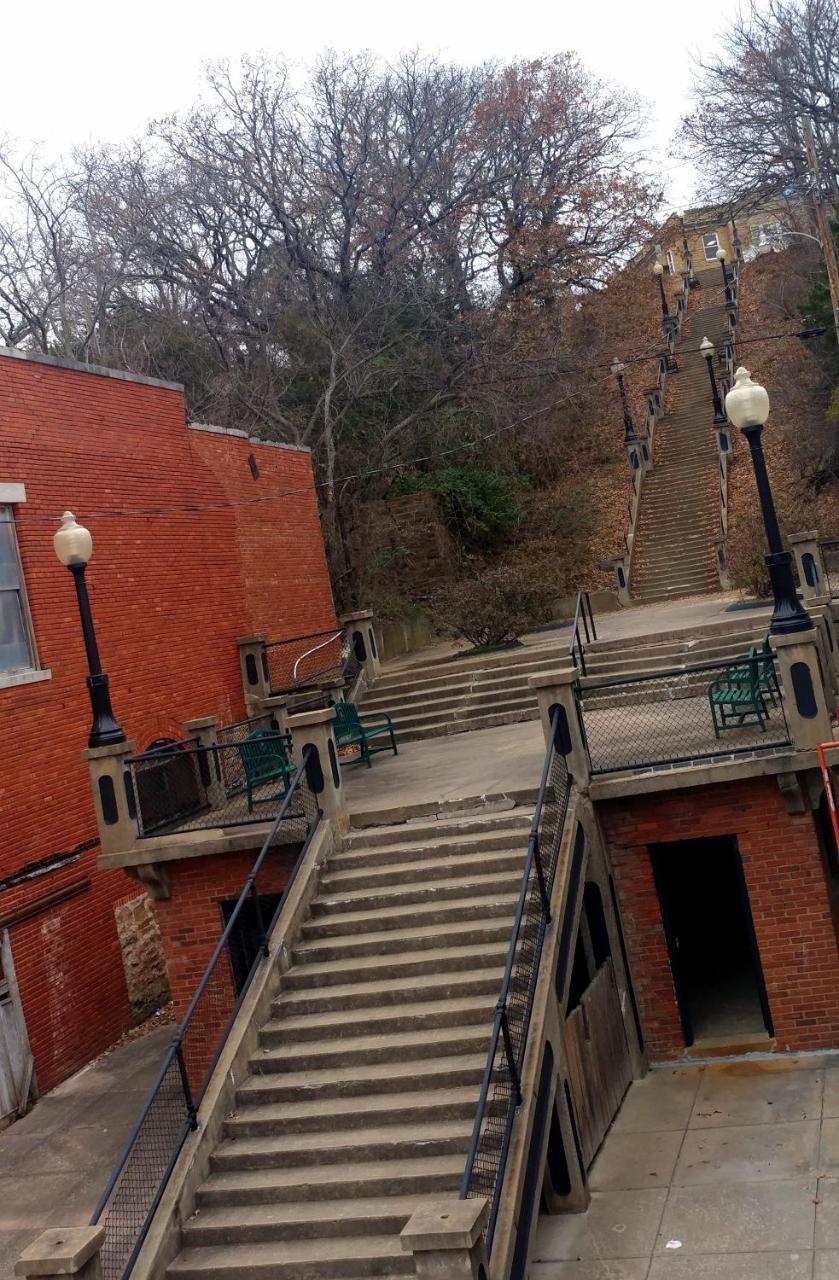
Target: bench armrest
[(375, 715)]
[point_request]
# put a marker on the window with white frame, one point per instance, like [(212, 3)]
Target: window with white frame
[(710, 244), (17, 652)]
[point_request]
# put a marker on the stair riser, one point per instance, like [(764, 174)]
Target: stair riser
[(447, 729), (304, 1192), (390, 944), (418, 719), (363, 839), (437, 892), (202, 1236), (473, 1040), (276, 1269), (272, 1037), (334, 926), (271, 1088), (454, 963), (245, 1127), (228, 1158), (376, 878), (322, 1001)]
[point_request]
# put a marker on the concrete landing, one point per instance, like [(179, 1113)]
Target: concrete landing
[(54, 1162), (488, 762), (722, 1172)]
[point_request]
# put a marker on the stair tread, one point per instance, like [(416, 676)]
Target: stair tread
[(373, 1105), (352, 1073), (485, 951), (309, 1211), (390, 1134), (242, 1179), (335, 1018)]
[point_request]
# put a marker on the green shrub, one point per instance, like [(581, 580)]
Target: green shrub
[(495, 608), (478, 505)]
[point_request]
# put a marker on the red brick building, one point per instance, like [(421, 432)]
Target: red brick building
[(727, 898), (200, 536)]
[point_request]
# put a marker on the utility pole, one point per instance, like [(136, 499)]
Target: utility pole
[(822, 223)]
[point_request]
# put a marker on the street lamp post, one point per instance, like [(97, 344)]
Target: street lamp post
[(74, 547), (747, 406), (721, 255), (707, 348), (629, 436), (658, 270)]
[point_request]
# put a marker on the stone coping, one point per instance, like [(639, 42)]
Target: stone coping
[(98, 370), (701, 774)]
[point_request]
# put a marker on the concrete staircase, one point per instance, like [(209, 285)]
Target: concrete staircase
[(363, 1090), (443, 696), (674, 552)]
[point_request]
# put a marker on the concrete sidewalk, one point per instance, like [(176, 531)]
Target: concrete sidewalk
[(55, 1162), (723, 1172)]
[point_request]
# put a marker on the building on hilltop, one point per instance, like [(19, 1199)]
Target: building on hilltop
[(193, 550)]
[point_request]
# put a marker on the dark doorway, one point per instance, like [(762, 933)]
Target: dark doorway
[(246, 937), (714, 957)]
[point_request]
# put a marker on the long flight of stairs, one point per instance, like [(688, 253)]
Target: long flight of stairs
[(438, 697), (674, 552), (362, 1093)]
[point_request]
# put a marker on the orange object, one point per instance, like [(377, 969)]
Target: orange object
[(823, 749)]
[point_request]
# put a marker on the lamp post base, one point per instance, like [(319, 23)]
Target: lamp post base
[(104, 732), (789, 615)]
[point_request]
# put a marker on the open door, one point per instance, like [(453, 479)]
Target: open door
[(714, 956), (16, 1062)]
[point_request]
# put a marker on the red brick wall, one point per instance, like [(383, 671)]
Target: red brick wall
[(171, 591), (787, 890), (191, 924)]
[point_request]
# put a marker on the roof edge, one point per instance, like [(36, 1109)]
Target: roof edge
[(97, 370)]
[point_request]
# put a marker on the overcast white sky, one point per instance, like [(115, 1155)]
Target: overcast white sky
[(71, 73)]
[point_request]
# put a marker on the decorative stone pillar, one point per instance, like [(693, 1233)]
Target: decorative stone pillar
[(620, 570), (358, 628), (556, 689), (446, 1239), (203, 734), (277, 707), (316, 729), (113, 796), (256, 677), (803, 686), (723, 439), (64, 1251), (808, 560)]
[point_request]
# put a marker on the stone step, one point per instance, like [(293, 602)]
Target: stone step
[(408, 1046), (383, 699), (438, 674), (336, 1259), (406, 872), (326, 1115), (361, 1080), (399, 895), (446, 728), (429, 713), (431, 934), (294, 1151), (368, 969), (330, 1182), (408, 915), (410, 1017), (399, 837), (415, 984), (303, 1220)]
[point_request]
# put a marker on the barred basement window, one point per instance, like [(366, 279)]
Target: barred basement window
[(17, 650)]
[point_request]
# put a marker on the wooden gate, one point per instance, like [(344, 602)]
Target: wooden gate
[(16, 1064), (599, 1069)]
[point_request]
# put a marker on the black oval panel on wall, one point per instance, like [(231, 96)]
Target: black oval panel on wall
[(802, 687)]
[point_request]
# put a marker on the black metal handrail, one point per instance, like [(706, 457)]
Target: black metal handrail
[(582, 613), (169, 1114), (500, 1095)]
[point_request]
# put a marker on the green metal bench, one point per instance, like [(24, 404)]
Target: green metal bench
[(265, 758), (352, 729), (737, 698), (766, 673)]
